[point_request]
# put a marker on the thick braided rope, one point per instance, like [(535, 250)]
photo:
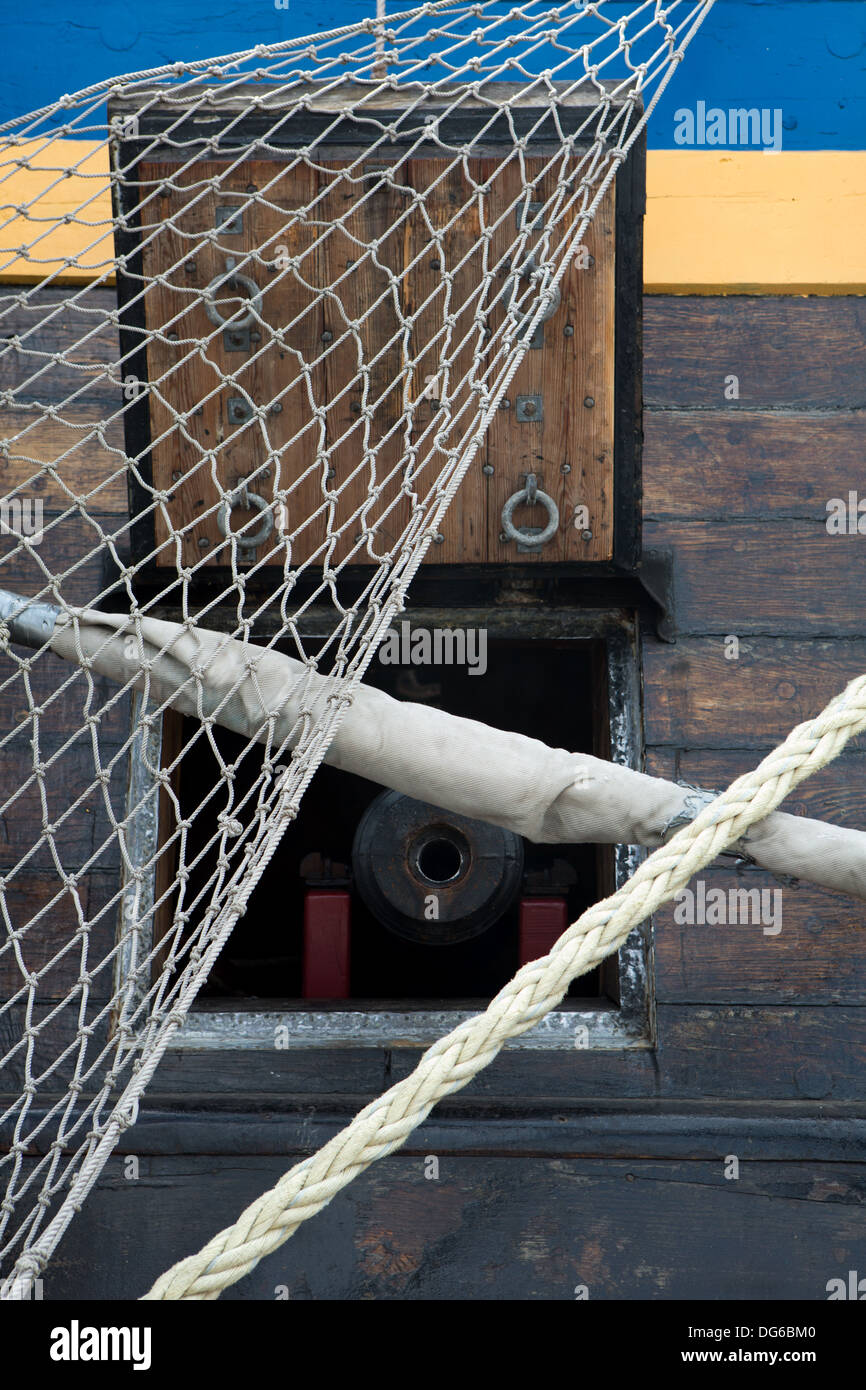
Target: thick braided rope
[(386, 1123)]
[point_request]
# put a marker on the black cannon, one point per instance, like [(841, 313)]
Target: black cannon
[(431, 876)]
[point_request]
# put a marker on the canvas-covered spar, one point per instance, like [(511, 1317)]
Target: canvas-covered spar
[(546, 794)]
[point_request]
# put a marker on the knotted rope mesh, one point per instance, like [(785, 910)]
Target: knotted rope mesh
[(377, 219)]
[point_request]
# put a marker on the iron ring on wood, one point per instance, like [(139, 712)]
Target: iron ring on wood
[(231, 277), (247, 499), (529, 494), (526, 272)]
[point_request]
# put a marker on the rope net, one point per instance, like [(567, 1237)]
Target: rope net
[(312, 271)]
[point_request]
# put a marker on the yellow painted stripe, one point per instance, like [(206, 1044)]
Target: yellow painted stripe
[(62, 176), (718, 222), (745, 222)]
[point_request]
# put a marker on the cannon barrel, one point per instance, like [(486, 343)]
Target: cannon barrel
[(432, 876)]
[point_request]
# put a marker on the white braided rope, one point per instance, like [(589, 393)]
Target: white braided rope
[(451, 1063)]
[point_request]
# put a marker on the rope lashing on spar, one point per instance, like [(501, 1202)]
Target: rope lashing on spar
[(548, 795), (450, 1064)]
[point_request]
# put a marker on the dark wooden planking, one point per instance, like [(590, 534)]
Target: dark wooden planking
[(788, 353), (690, 345), (749, 1053), (165, 874), (71, 555), (695, 698), (721, 464), (836, 793), (25, 896), (74, 323), (58, 1037), (74, 796), (704, 1051), (70, 552), (330, 1072), (61, 690), (648, 1128), (364, 1072), (818, 955), (614, 1073), (776, 577), (486, 1229), (85, 466)]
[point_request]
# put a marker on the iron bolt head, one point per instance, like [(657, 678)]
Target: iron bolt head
[(568, 331), (586, 535), (588, 402), (487, 468), (566, 468)]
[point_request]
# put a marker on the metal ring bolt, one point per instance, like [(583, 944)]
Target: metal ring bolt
[(526, 272), (232, 277), (530, 494), (245, 499)]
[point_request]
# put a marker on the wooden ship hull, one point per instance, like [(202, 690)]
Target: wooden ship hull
[(691, 1124)]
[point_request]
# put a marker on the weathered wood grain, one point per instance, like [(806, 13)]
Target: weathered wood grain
[(837, 793), (65, 697), (788, 353), (55, 936), (87, 457), (695, 698), (780, 577), (75, 801), (59, 1050), (77, 329), (329, 1072), (367, 372), (792, 945), (727, 462), (783, 1053), (489, 1229), (71, 557), (446, 235), (574, 377), (193, 373)]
